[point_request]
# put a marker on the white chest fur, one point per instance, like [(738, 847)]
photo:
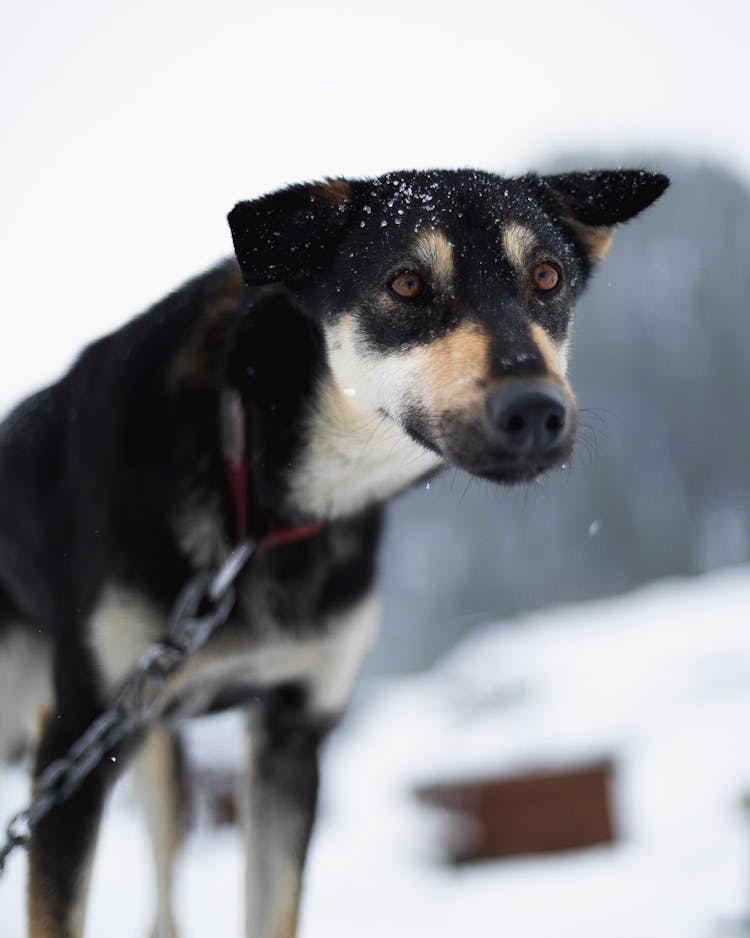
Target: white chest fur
[(325, 662), (355, 457)]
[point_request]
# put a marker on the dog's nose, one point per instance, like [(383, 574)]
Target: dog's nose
[(528, 419)]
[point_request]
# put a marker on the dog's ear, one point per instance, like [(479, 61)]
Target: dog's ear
[(591, 203), (288, 234)]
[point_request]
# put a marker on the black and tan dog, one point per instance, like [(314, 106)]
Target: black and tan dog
[(373, 331)]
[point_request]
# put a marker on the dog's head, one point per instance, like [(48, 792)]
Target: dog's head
[(446, 297)]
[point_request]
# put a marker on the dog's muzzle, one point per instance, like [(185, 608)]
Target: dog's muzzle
[(527, 420), (522, 429)]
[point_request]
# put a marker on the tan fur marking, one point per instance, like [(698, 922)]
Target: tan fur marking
[(78, 910), (456, 368), (273, 829), (40, 898), (551, 355), (595, 238), (288, 917), (336, 191), (518, 243), (435, 251), (159, 789), (41, 923), (194, 365), (43, 716)]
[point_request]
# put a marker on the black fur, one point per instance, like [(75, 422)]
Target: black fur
[(100, 473)]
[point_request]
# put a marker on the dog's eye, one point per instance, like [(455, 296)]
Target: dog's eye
[(408, 285), (545, 276)]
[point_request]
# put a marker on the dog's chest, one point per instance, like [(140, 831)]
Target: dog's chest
[(354, 457), (284, 630)]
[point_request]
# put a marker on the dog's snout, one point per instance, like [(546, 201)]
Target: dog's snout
[(528, 419)]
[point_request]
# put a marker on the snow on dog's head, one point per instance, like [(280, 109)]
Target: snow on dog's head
[(446, 298)]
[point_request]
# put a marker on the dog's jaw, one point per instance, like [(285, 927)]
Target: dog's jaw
[(352, 457)]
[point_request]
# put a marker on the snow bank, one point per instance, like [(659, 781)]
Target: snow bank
[(660, 679)]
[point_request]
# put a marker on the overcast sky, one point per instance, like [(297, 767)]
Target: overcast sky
[(130, 129)]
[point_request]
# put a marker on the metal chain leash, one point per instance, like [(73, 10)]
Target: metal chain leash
[(205, 603)]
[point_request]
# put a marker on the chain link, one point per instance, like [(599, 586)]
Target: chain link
[(205, 603)]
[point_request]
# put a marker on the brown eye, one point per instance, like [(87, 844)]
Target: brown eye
[(407, 285), (545, 276)]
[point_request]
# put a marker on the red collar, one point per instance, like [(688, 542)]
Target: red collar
[(232, 428)]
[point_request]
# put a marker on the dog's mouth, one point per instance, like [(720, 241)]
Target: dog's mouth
[(516, 473), (502, 470), (419, 436), (506, 462)]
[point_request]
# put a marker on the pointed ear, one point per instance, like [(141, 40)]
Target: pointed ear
[(288, 234), (591, 203)]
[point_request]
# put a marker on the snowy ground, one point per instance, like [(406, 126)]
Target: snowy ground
[(660, 679)]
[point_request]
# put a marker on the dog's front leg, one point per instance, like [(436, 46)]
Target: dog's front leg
[(62, 845), (279, 810), (159, 775)]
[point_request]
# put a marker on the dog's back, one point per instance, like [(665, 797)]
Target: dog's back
[(79, 502), (30, 453)]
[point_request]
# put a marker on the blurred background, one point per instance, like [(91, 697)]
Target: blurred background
[(511, 643)]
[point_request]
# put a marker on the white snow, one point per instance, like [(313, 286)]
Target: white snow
[(659, 679)]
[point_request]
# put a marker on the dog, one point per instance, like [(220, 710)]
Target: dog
[(368, 333)]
